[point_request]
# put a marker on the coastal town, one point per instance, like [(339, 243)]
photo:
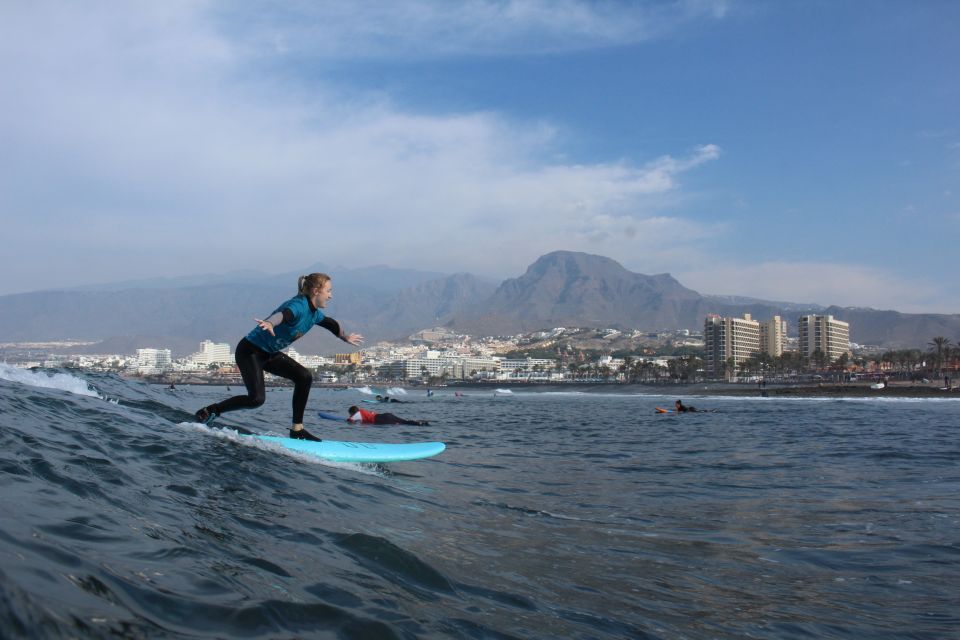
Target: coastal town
[(729, 349)]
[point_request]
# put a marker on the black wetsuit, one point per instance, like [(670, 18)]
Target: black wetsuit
[(381, 418), (389, 418), (253, 361)]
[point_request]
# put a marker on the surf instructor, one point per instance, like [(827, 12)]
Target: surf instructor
[(262, 350)]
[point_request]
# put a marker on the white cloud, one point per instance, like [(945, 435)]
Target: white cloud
[(151, 139), (430, 28), (135, 138)]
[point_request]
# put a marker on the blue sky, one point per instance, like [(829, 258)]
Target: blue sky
[(803, 151)]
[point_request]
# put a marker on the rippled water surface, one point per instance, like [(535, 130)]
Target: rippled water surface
[(550, 515)]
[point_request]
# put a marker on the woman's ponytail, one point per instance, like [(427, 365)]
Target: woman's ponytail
[(306, 284)]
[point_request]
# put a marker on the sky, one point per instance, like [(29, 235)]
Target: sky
[(798, 150)]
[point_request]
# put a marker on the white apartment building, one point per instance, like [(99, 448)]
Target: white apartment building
[(417, 367), (727, 338), (614, 364), (513, 368), (773, 336), (212, 353), (484, 367), (824, 334), (313, 362), (153, 360), (457, 367)]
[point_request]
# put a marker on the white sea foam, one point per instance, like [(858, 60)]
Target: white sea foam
[(377, 391), (62, 381), (233, 436)]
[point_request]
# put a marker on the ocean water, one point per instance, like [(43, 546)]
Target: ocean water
[(550, 515)]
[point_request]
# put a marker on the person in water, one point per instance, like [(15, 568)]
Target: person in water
[(358, 415), (262, 350), (388, 399), (682, 408)]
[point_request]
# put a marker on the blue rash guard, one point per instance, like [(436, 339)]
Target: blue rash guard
[(298, 318)]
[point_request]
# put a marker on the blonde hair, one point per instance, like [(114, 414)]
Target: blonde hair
[(306, 284)]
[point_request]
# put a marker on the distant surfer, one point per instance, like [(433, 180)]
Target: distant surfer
[(388, 399), (358, 415), (682, 408), (262, 350)]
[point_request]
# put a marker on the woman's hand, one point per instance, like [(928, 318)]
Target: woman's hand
[(354, 338), (266, 325)]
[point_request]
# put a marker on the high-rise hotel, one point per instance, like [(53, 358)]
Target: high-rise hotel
[(740, 338), (824, 334), (773, 335), (726, 338)]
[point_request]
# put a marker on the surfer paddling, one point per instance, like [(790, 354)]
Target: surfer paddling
[(262, 350), (358, 415), (682, 408)]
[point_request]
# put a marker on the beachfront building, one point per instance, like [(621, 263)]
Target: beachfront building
[(825, 335), (773, 336), (211, 353), (150, 361), (729, 341), (452, 366), (418, 368), (480, 367), (528, 368), (314, 361)]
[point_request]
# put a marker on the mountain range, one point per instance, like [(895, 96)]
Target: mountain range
[(562, 288)]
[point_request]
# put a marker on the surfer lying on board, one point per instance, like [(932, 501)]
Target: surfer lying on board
[(262, 350), (682, 408), (388, 399), (372, 417)]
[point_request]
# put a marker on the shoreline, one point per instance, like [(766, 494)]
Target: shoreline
[(810, 390), (772, 390)]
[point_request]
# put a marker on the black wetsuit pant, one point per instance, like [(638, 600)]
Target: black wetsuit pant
[(389, 418), (253, 361)]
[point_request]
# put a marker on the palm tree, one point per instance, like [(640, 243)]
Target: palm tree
[(730, 367), (941, 346), (842, 361), (627, 368)]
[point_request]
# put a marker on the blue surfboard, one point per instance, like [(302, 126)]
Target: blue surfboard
[(331, 416), (340, 451)]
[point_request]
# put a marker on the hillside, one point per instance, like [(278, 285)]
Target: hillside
[(559, 289)]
